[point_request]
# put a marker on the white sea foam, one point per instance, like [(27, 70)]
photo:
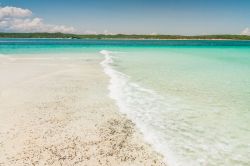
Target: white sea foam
[(137, 103)]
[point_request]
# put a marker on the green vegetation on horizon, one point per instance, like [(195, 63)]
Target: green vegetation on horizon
[(121, 36)]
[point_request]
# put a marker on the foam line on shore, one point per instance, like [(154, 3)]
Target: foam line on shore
[(130, 98)]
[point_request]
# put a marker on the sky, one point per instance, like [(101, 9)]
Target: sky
[(174, 17)]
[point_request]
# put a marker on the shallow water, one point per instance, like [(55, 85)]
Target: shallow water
[(191, 99)]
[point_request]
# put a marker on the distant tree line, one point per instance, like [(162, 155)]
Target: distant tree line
[(121, 36)]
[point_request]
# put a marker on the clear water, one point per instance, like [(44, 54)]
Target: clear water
[(191, 99)]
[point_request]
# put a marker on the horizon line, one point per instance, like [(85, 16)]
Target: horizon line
[(121, 34)]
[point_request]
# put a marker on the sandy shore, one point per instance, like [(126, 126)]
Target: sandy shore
[(56, 111)]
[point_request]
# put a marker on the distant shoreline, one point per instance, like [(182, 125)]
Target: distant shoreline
[(120, 36), (133, 39)]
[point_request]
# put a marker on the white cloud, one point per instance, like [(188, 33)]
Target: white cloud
[(13, 19), (9, 11), (246, 31), (106, 32), (153, 33)]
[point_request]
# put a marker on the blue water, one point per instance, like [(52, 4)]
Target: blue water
[(190, 99)]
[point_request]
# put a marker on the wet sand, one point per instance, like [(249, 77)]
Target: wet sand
[(56, 111)]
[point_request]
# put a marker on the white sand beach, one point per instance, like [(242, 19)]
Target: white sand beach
[(56, 111)]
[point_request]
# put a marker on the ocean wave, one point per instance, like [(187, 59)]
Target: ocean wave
[(139, 104)]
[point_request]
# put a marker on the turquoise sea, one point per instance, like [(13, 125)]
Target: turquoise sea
[(190, 98)]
